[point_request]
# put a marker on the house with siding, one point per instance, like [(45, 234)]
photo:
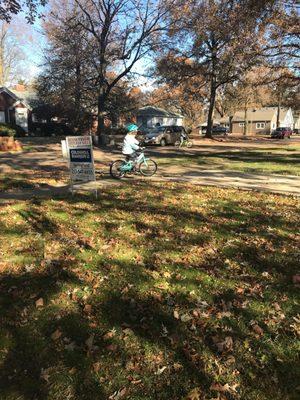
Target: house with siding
[(14, 107), (150, 117), (261, 120), (297, 121)]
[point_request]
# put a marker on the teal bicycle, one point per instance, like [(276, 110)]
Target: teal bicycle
[(142, 165)]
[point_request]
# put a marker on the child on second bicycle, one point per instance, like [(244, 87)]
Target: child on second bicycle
[(131, 144), (183, 136)]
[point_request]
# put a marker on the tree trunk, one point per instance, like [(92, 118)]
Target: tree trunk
[(101, 116), (278, 113), (245, 120), (211, 108), (78, 92)]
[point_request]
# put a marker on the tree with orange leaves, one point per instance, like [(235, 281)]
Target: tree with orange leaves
[(218, 40)]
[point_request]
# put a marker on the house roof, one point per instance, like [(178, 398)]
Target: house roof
[(23, 97), (151, 111), (9, 92), (260, 114)]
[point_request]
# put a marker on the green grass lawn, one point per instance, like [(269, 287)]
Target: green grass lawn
[(283, 160), (150, 292)]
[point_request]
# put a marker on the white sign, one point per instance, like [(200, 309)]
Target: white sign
[(81, 159), (64, 149)]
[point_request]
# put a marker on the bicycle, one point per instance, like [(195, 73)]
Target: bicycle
[(184, 143), (142, 165)]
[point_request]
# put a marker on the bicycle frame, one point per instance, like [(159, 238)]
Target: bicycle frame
[(130, 164)]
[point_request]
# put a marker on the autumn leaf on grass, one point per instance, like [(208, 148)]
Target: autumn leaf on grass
[(224, 388), (177, 367), (56, 335), (45, 374), (109, 334), (112, 347), (118, 395), (256, 328), (87, 309), (96, 367), (194, 394), (296, 280), (224, 345), (185, 318), (39, 303), (160, 370)]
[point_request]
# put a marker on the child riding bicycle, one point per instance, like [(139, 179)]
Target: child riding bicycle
[(131, 144), (183, 136)]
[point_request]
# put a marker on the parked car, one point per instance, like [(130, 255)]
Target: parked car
[(216, 130), (163, 135), (220, 130), (281, 133)]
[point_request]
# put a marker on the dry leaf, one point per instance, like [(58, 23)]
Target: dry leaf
[(118, 395), (220, 388), (109, 335), (223, 345), (73, 371), (277, 307), (296, 279), (161, 370), (45, 374), (87, 308), (195, 394), (56, 335), (185, 318), (39, 303), (96, 367), (177, 366), (112, 347), (257, 329), (176, 314)]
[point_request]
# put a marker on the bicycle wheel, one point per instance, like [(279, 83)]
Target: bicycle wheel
[(148, 167), (189, 144), (116, 169)]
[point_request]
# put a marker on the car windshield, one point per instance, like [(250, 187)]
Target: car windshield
[(158, 129)]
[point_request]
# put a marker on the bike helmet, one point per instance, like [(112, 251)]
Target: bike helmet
[(132, 128)]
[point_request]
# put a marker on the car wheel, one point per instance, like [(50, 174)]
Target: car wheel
[(163, 142)]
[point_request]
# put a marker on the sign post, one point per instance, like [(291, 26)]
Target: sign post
[(81, 160)]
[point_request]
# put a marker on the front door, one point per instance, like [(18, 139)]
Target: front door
[(2, 117), (22, 118)]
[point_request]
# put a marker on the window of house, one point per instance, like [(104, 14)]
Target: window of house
[(274, 126), (260, 125), (242, 124)]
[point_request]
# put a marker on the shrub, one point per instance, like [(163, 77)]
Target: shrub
[(7, 130), (51, 129)]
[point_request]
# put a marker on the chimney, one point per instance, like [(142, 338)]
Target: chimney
[(20, 88)]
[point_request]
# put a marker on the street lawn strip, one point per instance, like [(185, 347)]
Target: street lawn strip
[(18, 181), (282, 161), (152, 289)]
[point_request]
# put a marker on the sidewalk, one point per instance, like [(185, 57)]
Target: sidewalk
[(279, 184), (282, 184)]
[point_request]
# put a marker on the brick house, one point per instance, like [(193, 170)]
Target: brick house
[(262, 120)]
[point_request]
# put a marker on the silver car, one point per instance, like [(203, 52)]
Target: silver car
[(164, 135)]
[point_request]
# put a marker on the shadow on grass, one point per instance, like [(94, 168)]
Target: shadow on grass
[(221, 231)]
